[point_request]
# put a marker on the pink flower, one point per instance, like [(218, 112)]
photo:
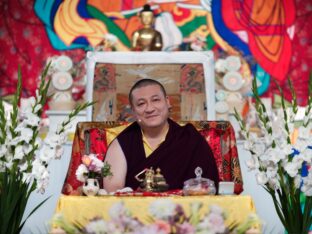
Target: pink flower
[(216, 222), (185, 228), (162, 226), (86, 160)]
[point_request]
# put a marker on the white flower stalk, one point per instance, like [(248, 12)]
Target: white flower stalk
[(284, 162), (24, 158)]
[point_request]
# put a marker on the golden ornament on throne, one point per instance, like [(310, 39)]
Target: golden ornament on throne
[(146, 38)]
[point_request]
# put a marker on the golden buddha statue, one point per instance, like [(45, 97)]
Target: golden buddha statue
[(147, 38)]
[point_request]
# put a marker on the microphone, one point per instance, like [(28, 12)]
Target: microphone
[(139, 120)]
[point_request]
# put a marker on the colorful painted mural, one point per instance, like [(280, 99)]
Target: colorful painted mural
[(271, 38)]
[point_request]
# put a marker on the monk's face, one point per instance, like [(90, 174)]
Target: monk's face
[(150, 106)]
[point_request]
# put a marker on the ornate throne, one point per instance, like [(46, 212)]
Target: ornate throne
[(189, 80)]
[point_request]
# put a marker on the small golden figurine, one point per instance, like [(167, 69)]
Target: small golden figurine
[(152, 182), (147, 38), (160, 182)]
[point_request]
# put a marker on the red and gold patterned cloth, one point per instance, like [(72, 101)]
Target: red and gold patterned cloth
[(220, 136)]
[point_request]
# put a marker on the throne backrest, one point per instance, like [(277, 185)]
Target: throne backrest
[(219, 135), (188, 78)]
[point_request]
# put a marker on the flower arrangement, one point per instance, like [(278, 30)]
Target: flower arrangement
[(283, 162), (24, 156), (92, 167), (195, 42), (109, 43), (166, 217)]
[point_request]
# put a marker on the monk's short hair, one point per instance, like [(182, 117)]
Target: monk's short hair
[(143, 83)]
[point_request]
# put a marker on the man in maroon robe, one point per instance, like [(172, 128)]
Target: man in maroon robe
[(154, 140)]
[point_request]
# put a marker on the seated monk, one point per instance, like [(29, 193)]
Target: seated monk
[(146, 38), (154, 140)]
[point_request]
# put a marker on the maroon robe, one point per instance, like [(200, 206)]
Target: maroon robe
[(183, 150)]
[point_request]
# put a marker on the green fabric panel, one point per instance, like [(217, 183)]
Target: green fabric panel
[(190, 27), (210, 42)]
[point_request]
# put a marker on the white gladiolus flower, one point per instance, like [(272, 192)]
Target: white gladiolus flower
[(292, 168), (3, 150), (47, 153), (252, 163), (9, 164), (27, 149), (307, 190), (37, 165), (261, 178), (259, 148), (26, 135), (23, 166), (297, 181), (63, 138), (54, 139), (27, 177), (287, 149), (14, 141), (20, 126), (306, 119), (274, 183), (307, 155), (38, 96), (19, 152), (59, 152), (268, 140), (31, 120), (37, 108), (38, 141), (2, 166), (291, 115), (248, 145), (271, 172), (304, 133)]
